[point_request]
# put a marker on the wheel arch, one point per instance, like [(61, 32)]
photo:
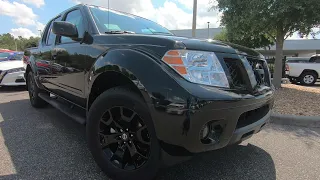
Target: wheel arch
[(110, 79), (310, 70), (28, 69)]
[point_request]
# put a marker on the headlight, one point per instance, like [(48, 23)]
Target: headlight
[(197, 66)]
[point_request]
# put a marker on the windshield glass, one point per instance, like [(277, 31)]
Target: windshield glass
[(4, 55), (118, 21), (17, 57)]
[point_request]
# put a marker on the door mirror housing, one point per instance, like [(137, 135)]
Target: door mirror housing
[(63, 28)]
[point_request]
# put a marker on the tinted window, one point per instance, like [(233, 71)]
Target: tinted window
[(315, 59), (117, 21), (75, 18), (50, 36)]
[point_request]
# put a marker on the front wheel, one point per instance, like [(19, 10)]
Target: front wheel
[(121, 136), (33, 90), (308, 78)]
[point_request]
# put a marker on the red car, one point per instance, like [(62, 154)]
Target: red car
[(5, 50)]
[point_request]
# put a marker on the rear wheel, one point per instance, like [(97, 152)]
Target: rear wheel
[(121, 136), (33, 90), (308, 78)]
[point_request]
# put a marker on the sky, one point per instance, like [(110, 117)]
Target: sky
[(26, 17)]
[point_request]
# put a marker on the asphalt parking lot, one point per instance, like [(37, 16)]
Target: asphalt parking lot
[(46, 144)]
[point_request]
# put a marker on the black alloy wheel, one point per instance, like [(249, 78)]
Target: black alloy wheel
[(124, 138), (121, 135), (31, 87), (33, 90)]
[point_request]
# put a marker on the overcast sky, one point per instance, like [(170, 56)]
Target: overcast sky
[(26, 17)]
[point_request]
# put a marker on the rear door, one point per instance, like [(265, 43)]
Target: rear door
[(69, 61)]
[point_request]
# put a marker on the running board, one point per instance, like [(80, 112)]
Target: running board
[(72, 113)]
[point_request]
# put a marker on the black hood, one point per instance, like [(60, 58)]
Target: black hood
[(175, 41), (215, 46)]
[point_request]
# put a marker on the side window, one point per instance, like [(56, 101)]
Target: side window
[(50, 36), (318, 59), (74, 17)]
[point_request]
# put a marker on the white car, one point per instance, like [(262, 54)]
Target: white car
[(304, 71), (12, 73)]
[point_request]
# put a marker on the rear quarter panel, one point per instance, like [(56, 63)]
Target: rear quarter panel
[(295, 69)]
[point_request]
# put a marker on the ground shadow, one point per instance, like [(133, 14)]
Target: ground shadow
[(234, 162), (46, 144), (12, 88)]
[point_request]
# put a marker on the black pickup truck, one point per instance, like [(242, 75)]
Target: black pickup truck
[(145, 95)]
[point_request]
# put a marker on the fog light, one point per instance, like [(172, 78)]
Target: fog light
[(205, 132)]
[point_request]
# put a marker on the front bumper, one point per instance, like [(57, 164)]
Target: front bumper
[(231, 120), (12, 79)]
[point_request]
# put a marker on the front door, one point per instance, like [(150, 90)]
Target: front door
[(43, 57), (69, 62)]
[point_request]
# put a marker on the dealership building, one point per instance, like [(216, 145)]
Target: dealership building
[(300, 47)]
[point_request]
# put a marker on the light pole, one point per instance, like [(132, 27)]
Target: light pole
[(208, 30), (15, 43), (194, 19), (40, 32)]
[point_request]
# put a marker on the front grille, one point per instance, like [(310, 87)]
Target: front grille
[(236, 77), (252, 116), (260, 71)]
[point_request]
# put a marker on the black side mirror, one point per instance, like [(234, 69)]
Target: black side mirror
[(64, 28)]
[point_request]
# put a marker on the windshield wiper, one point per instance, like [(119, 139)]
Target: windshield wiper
[(156, 32), (120, 32)]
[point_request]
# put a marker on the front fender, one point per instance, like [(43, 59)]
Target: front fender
[(155, 83), (31, 63)]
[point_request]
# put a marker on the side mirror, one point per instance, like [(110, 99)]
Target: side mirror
[(64, 28)]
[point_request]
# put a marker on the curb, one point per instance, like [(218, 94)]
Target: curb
[(304, 121)]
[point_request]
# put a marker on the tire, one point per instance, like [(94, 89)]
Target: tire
[(33, 90), (293, 80), (308, 78), (106, 106)]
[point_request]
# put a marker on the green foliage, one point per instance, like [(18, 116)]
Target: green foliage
[(222, 36), (7, 41), (248, 40), (270, 19)]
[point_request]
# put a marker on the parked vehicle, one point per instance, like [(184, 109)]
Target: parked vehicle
[(12, 73), (304, 71), (5, 50), (6, 56), (144, 94)]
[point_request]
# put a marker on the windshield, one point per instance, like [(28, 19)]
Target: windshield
[(4, 55), (118, 21), (17, 57)]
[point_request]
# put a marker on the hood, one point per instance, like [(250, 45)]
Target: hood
[(176, 41), (6, 65), (215, 46)]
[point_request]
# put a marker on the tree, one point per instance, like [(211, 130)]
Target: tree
[(7, 41), (248, 40), (277, 19)]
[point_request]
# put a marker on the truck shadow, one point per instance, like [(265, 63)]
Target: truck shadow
[(46, 144), (234, 162)]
